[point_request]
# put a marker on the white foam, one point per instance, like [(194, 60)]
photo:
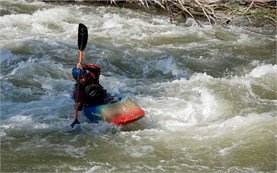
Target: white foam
[(227, 150), (185, 103), (262, 70), (3, 134), (36, 25), (18, 121), (199, 109), (21, 119), (112, 21), (93, 169), (141, 151), (7, 57), (41, 126)]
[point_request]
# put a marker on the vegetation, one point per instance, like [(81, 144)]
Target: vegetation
[(214, 11), (218, 11)]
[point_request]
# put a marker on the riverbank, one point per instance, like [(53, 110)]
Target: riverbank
[(221, 12)]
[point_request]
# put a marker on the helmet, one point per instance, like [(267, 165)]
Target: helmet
[(76, 72), (95, 69)]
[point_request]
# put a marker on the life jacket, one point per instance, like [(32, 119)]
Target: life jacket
[(94, 93)]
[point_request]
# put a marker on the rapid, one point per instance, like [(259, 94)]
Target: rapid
[(209, 94)]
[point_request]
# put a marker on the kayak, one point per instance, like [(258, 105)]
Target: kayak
[(120, 112)]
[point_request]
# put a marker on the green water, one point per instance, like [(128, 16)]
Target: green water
[(209, 94)]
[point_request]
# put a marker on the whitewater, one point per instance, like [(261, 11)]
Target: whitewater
[(209, 93)]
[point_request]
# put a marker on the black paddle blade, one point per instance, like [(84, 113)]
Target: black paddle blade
[(82, 36)]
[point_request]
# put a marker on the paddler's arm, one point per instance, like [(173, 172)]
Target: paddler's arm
[(75, 114), (82, 42), (76, 121), (77, 104)]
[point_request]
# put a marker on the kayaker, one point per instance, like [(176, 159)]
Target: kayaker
[(87, 89)]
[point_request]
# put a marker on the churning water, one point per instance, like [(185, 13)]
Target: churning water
[(209, 93)]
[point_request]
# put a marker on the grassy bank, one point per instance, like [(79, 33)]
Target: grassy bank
[(220, 12)]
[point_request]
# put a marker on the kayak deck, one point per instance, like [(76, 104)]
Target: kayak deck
[(122, 112)]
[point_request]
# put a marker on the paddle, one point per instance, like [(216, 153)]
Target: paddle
[(82, 42)]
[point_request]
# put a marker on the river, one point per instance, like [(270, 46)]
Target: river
[(209, 93)]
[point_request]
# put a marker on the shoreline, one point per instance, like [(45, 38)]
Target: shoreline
[(219, 12)]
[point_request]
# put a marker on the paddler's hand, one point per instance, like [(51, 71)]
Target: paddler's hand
[(79, 65), (74, 123)]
